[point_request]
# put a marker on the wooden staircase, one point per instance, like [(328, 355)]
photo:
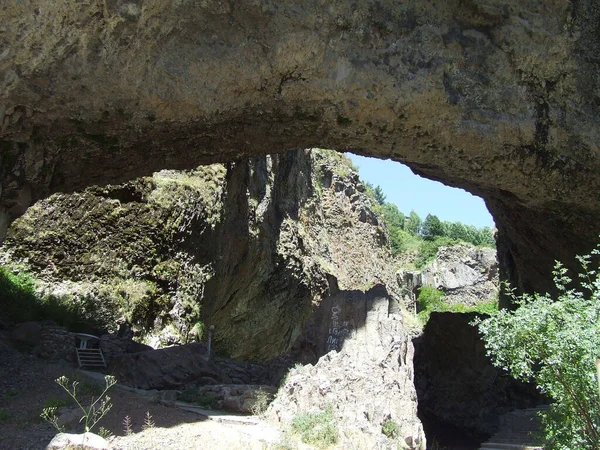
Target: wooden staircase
[(90, 358), (517, 431)]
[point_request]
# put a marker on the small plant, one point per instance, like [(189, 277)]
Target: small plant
[(317, 429), (390, 429), (92, 414), (127, 429), (148, 421), (10, 394), (104, 433), (261, 404), (4, 415)]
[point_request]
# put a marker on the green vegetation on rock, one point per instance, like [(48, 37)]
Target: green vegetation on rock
[(431, 299), (318, 428), (554, 341), (20, 302), (390, 429)]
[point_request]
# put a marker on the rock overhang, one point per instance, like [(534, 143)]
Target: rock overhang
[(497, 99)]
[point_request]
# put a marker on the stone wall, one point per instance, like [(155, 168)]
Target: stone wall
[(56, 343)]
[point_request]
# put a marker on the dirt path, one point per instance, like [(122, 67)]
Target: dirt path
[(27, 384)]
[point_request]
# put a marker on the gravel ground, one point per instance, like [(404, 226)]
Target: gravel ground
[(27, 384)]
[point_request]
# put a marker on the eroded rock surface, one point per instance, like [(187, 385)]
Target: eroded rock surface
[(365, 375), (465, 274), (499, 99), (251, 248)]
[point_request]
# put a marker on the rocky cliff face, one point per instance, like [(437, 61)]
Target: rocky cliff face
[(251, 248), (365, 376), (467, 275), (499, 99)]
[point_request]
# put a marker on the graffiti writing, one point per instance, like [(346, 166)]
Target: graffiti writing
[(338, 329)]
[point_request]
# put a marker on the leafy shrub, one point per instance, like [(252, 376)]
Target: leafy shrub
[(317, 429), (555, 342), (17, 294), (20, 302), (390, 429), (429, 299), (261, 403)]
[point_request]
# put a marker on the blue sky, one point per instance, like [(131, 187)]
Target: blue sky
[(412, 192)]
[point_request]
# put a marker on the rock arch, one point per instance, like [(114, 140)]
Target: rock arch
[(499, 99)]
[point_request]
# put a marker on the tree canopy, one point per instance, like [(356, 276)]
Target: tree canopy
[(555, 342)]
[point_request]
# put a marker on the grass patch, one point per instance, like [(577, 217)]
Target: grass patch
[(318, 429), (390, 429), (4, 415)]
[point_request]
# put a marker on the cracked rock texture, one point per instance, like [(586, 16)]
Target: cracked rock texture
[(498, 98)]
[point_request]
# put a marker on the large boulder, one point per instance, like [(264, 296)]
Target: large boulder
[(365, 375), (167, 368), (465, 274)]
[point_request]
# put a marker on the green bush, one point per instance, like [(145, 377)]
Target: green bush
[(390, 429), (430, 298), (17, 295), (317, 429), (555, 343)]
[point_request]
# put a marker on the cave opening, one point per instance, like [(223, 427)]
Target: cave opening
[(461, 396)]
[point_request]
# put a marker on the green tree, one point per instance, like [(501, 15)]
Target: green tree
[(392, 216), (555, 342), (413, 224), (432, 227), (379, 195)]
